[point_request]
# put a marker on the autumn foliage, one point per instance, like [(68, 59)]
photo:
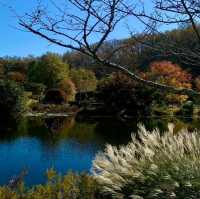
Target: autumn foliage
[(84, 79), (172, 74), (197, 83), (167, 73), (69, 88), (16, 76)]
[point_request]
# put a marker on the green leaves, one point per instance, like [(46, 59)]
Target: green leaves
[(85, 80), (48, 70)]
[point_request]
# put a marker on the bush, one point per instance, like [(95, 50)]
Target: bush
[(2, 70), (197, 83), (11, 100), (85, 80), (119, 92), (48, 70), (69, 88), (187, 109), (16, 76), (55, 96), (153, 166), (70, 186), (35, 88)]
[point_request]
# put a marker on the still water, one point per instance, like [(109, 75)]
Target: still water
[(65, 144)]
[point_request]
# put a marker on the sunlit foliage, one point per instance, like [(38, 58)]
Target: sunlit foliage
[(167, 73), (85, 80), (16, 76), (70, 186), (69, 88), (48, 70)]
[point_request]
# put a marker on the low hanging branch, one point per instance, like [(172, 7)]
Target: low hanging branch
[(94, 19)]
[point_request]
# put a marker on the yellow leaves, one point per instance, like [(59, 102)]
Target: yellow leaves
[(69, 88), (51, 174), (85, 80), (70, 186), (6, 193)]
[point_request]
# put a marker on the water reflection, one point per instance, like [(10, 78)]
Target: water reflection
[(41, 143), (67, 144)]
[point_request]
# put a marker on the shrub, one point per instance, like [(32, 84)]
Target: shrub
[(35, 88), (119, 92), (48, 70), (153, 166), (11, 100), (187, 109), (85, 80), (69, 88), (2, 70), (55, 96), (16, 76), (197, 83), (70, 186)]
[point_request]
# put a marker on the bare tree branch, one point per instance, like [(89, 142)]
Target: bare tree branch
[(97, 20)]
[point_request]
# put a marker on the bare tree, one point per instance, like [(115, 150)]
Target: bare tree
[(75, 24), (169, 13)]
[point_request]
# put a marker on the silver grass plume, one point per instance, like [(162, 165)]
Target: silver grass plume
[(153, 166)]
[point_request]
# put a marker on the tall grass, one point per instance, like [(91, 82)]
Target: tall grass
[(151, 166)]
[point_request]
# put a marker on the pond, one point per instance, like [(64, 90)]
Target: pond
[(65, 144)]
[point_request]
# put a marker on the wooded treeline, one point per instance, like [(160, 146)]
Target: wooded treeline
[(136, 54), (74, 72)]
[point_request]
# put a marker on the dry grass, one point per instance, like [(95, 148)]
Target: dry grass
[(152, 166)]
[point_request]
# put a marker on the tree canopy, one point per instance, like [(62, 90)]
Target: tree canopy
[(48, 70)]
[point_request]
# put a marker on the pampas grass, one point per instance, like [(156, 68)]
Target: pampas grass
[(151, 166)]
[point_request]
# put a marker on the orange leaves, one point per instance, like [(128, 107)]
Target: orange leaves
[(171, 74), (16, 76), (69, 88), (167, 73)]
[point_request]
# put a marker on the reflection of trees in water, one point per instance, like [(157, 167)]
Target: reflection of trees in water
[(69, 128), (49, 130), (56, 125), (53, 130), (118, 132), (8, 130), (113, 131), (97, 131), (85, 133)]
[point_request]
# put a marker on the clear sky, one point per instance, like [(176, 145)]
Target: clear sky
[(14, 42)]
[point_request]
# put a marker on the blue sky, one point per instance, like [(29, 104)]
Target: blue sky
[(14, 42)]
